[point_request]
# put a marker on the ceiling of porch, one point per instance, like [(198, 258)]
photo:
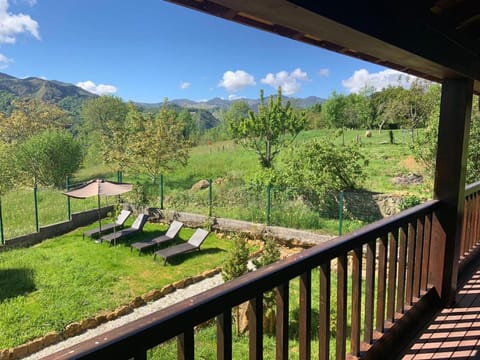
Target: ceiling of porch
[(433, 39)]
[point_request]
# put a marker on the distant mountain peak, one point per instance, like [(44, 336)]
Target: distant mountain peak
[(218, 103), (38, 88)]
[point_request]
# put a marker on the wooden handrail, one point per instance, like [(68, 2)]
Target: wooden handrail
[(472, 188), (471, 225), (138, 336)]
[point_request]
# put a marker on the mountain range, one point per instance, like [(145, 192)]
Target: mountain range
[(55, 91), (65, 94), (218, 103)]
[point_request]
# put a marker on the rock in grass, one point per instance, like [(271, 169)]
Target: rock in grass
[(200, 185)]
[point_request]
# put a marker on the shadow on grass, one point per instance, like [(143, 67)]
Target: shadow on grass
[(141, 236), (295, 321), (15, 282), (293, 332), (176, 260)]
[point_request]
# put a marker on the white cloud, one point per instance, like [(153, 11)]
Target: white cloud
[(100, 89), (4, 61), (289, 82), (325, 72), (236, 81), (184, 85), (380, 80), (233, 97), (29, 2), (12, 25)]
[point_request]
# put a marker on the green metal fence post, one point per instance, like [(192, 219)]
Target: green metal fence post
[(35, 201), (161, 191), (118, 176), (340, 213), (210, 197), (269, 203), (2, 238), (69, 210)]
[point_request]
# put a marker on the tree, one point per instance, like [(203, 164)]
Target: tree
[(317, 169), (7, 167), (7, 101), (425, 148), (98, 113), (30, 117), (334, 111), (359, 109), (190, 129), (274, 127), (473, 160), (238, 109), (49, 157), (103, 124), (408, 107), (352, 111), (156, 142), (414, 106), (314, 116)]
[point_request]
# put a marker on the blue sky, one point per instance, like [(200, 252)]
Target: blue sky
[(150, 49)]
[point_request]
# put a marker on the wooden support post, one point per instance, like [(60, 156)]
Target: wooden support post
[(453, 134)]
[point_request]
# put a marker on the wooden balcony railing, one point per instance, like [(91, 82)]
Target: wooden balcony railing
[(379, 272), (471, 223)]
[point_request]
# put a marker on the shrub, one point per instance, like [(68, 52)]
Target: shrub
[(270, 254), (236, 263), (409, 201), (318, 169)]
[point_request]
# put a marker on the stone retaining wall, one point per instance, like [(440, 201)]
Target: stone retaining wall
[(49, 231), (370, 206), (288, 237)]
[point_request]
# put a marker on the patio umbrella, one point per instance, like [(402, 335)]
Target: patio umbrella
[(98, 188)]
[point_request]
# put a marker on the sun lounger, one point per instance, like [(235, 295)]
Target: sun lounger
[(171, 233), (193, 244), (119, 222), (137, 226)]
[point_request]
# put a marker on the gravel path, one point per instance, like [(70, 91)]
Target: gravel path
[(167, 300)]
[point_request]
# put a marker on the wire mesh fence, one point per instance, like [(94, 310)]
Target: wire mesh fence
[(24, 210)]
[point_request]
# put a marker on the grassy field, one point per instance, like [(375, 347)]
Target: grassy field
[(230, 166), (67, 279)]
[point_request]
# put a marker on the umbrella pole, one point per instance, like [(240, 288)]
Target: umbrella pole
[(99, 216)]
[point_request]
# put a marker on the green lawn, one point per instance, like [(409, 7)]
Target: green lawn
[(67, 279)]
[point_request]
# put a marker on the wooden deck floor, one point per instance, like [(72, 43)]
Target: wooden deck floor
[(455, 332)]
